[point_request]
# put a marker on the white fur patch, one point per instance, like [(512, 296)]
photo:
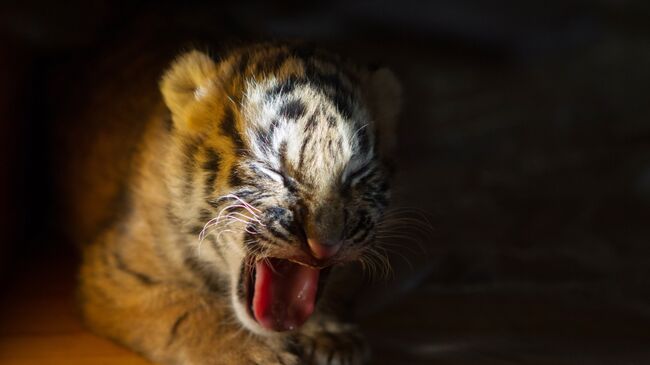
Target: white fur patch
[(200, 92), (268, 130)]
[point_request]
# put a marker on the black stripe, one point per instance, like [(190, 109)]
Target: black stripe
[(263, 237), (330, 147), (229, 129), (273, 127), (241, 284), (293, 109), (243, 62), (211, 282), (311, 123), (190, 148), (205, 215), (258, 197), (174, 329), (360, 171), (213, 161), (341, 96), (378, 199), (308, 129), (257, 171), (261, 136), (234, 179), (363, 236), (362, 220), (122, 266), (195, 230), (343, 103), (290, 226), (369, 175), (303, 148), (277, 234), (285, 87), (274, 65), (215, 203), (282, 151), (243, 194), (290, 184), (209, 182)]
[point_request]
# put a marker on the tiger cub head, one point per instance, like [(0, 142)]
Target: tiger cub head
[(281, 152)]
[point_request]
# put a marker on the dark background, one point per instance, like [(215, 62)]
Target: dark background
[(525, 137)]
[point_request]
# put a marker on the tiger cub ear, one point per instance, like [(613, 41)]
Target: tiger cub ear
[(384, 96), (188, 80)]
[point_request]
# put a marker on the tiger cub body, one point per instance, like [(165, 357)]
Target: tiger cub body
[(254, 179)]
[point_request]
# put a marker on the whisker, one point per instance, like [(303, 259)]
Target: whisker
[(244, 203), (214, 221), (376, 264), (253, 218)]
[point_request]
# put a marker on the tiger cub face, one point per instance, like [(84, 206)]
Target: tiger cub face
[(284, 173)]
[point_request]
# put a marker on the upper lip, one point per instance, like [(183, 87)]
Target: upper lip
[(301, 256)]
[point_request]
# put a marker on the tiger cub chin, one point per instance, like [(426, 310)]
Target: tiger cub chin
[(260, 175)]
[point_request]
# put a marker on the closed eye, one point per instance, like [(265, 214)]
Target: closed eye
[(357, 174), (274, 175), (277, 176)]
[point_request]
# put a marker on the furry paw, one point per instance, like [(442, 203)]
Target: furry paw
[(273, 358), (274, 354), (254, 351), (332, 343)]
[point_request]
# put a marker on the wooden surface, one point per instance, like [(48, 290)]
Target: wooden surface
[(39, 325), (431, 325)]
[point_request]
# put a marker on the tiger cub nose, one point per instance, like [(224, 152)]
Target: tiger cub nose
[(323, 249)]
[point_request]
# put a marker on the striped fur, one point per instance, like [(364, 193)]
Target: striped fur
[(269, 145)]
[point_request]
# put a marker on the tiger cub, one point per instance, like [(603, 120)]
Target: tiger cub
[(263, 175)]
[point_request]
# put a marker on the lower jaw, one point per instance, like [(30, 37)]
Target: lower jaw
[(249, 272)]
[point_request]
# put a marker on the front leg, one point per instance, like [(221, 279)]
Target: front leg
[(169, 323), (326, 341)]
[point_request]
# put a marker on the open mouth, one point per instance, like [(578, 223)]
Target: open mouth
[(282, 294)]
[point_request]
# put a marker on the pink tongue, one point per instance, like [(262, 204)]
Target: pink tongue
[(285, 294)]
